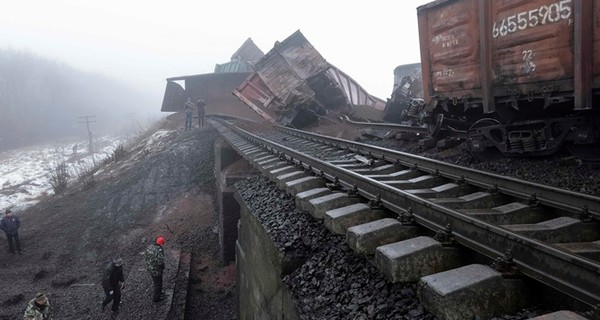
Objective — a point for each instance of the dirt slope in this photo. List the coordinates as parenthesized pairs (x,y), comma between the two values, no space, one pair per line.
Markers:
(163,186)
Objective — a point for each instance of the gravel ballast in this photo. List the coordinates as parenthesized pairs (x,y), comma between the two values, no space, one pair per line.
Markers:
(332,282)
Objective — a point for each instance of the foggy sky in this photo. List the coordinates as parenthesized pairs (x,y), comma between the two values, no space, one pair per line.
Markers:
(43,101)
(144,42)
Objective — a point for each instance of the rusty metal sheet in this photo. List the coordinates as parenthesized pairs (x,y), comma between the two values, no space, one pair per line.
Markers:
(255,93)
(174,97)
(485,50)
(451,34)
(289,64)
(294,74)
(532,41)
(280,76)
(277,75)
(215,88)
(302,57)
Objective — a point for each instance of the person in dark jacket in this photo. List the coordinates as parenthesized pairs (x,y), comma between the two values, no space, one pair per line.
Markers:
(112,283)
(155,264)
(10,225)
(200,105)
(188,108)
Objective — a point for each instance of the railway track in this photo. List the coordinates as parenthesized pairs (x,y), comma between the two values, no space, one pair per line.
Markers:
(389,126)
(547,234)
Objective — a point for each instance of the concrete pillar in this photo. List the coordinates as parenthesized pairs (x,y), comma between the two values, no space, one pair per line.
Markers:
(230,167)
(260,270)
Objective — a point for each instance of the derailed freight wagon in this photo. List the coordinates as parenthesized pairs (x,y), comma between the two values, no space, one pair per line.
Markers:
(214,88)
(405,105)
(294,85)
(520,76)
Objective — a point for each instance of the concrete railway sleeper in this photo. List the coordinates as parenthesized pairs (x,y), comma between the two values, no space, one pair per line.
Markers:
(417,217)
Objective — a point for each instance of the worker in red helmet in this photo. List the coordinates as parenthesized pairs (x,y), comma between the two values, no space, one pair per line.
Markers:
(155,264)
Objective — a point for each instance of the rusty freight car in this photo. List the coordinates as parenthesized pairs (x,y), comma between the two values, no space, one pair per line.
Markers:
(216,90)
(294,85)
(520,76)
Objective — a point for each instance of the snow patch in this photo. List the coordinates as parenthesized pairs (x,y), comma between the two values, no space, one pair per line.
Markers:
(25,172)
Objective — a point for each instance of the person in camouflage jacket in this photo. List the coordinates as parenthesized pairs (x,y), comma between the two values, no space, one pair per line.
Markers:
(155,264)
(38,308)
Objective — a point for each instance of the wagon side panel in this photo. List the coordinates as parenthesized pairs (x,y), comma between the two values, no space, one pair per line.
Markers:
(532,46)
(449,32)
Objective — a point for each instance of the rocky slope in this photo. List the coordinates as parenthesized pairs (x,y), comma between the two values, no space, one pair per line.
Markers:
(162,185)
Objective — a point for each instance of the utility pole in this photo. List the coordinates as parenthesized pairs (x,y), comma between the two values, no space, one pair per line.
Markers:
(132,123)
(87,120)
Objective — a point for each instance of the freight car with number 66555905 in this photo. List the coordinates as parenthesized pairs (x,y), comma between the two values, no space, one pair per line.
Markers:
(522,77)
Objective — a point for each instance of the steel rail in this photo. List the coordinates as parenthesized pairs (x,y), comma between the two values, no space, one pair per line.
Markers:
(388,126)
(563,199)
(571,274)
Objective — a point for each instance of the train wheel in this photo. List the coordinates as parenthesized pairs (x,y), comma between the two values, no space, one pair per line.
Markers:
(477,142)
(585,152)
(436,128)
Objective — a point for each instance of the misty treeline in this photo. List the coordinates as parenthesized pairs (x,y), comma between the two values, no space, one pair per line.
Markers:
(43,100)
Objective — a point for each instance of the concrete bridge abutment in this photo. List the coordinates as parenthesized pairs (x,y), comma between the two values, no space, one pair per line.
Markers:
(230,167)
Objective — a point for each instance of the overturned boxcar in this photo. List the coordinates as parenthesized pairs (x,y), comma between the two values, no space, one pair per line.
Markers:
(294,85)
(520,76)
(214,88)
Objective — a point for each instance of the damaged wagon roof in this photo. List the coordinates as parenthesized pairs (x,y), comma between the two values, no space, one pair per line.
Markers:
(293,77)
